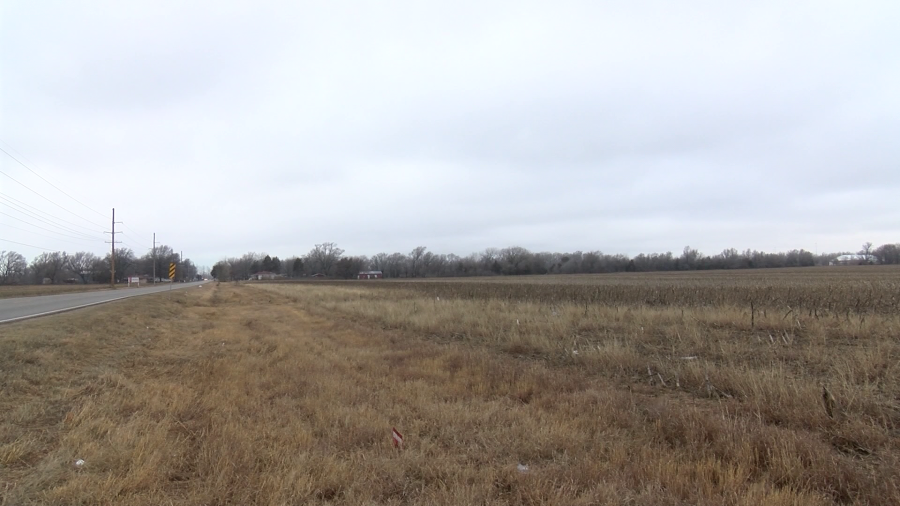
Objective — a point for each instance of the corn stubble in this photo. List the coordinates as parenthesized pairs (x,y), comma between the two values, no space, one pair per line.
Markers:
(506,392)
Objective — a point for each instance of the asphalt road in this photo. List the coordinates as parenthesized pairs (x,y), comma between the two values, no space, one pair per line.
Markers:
(30,307)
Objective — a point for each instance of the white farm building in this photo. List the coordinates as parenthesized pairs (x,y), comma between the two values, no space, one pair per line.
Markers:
(854,260)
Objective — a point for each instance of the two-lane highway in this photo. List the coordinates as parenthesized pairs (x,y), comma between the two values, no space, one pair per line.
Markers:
(30,307)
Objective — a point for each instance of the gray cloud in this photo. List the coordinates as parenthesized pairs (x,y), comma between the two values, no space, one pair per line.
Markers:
(230,127)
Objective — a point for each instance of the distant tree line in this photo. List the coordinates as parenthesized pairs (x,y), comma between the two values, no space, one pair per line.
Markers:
(329,260)
(84,267)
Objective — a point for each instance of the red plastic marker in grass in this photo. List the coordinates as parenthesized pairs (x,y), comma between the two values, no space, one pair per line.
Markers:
(397,438)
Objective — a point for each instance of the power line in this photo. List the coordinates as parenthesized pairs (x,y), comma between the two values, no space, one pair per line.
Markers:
(135,248)
(36,209)
(29,245)
(42,220)
(20,207)
(45,198)
(17,206)
(126,231)
(47,236)
(134,231)
(126,243)
(47,229)
(43,178)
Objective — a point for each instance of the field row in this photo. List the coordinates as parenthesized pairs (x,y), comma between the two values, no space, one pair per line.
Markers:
(835,292)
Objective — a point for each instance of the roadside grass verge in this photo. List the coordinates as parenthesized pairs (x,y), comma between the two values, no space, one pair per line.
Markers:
(13,291)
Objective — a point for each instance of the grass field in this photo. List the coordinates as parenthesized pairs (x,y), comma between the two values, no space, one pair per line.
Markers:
(11,291)
(622,390)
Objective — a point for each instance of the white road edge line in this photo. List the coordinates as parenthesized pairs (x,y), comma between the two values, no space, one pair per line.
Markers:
(55,311)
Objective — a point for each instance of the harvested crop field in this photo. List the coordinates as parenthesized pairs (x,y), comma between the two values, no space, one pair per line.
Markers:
(639,391)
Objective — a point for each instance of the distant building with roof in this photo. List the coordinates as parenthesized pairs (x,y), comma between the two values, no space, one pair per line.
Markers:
(261,275)
(370,275)
(854,260)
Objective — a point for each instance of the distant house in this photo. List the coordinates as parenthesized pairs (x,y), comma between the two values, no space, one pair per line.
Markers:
(261,275)
(370,275)
(854,260)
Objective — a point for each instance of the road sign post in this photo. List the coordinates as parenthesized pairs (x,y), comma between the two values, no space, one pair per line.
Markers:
(171,274)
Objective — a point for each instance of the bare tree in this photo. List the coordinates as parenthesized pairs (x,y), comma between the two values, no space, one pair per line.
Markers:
(393,265)
(12,267)
(241,268)
(324,257)
(888,254)
(490,260)
(164,256)
(221,271)
(489,255)
(349,267)
(592,261)
(415,260)
(125,263)
(433,264)
(378,262)
(866,250)
(48,265)
(82,264)
(543,262)
(689,258)
(515,260)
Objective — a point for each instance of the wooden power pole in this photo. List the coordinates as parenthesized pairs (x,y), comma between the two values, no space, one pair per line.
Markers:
(112,255)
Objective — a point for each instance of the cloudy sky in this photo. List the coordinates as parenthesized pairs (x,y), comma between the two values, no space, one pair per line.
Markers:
(628,127)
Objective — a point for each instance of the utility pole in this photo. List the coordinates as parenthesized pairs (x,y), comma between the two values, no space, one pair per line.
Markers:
(112,256)
(154,258)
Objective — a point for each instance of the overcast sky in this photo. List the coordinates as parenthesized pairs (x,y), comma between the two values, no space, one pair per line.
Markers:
(627,127)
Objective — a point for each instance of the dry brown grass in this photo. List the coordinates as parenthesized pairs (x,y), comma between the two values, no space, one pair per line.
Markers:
(286,394)
(12,291)
(824,291)
(694,342)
